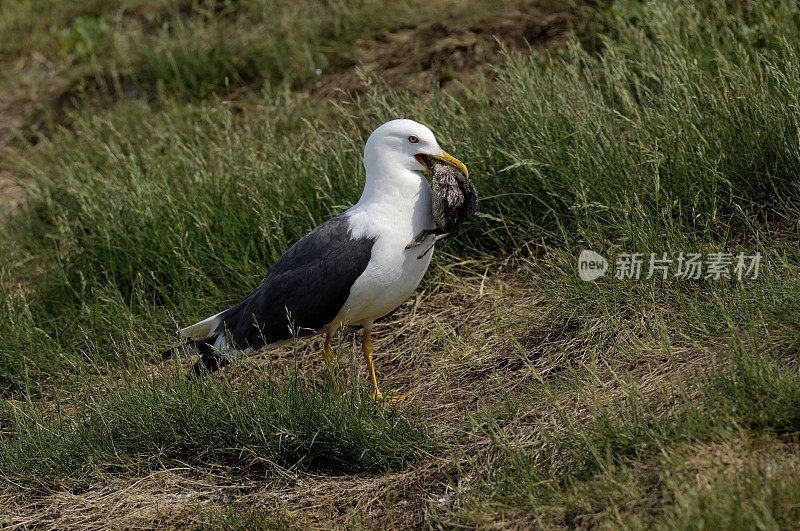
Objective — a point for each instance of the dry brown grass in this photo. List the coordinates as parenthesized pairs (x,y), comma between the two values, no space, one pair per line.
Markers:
(412,353)
(456,347)
(460,347)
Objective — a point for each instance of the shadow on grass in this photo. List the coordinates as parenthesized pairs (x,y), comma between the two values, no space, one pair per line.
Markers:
(148,422)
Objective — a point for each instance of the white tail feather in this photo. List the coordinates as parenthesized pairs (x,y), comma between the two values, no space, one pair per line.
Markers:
(201,330)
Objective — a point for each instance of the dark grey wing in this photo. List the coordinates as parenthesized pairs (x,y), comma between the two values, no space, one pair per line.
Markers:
(309,283)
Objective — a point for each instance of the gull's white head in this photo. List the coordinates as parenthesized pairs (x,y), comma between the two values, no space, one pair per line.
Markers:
(398,154)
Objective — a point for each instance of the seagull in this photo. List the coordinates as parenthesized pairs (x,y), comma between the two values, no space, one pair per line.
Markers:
(348,272)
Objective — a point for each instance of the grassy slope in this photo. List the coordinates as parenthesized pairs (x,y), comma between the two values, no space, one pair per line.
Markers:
(653,403)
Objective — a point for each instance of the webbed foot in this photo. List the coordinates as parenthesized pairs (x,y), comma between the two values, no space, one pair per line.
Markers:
(378,397)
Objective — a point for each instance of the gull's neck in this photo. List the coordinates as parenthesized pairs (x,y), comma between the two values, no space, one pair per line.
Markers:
(393,186)
(397,198)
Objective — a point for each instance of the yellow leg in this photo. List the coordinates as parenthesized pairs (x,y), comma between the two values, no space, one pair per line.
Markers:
(366,348)
(328,353)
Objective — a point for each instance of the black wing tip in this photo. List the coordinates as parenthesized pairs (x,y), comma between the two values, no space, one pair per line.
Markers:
(190,348)
(208,363)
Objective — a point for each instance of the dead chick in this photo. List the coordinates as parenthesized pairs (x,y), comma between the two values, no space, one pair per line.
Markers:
(455,200)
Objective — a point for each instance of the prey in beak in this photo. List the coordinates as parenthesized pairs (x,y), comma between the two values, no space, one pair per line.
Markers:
(454,198)
(428,161)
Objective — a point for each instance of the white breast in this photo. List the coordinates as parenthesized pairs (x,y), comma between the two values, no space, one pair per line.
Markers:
(393,272)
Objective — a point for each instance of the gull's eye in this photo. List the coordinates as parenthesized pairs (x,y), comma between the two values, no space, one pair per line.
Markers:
(413,139)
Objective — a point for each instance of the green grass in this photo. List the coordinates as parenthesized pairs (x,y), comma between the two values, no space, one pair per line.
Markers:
(147,423)
(601,460)
(754,499)
(191,50)
(676,131)
(145,214)
(236,518)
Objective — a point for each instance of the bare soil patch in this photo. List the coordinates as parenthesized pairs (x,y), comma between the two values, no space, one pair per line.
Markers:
(455,50)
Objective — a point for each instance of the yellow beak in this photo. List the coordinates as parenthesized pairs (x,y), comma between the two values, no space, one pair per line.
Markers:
(452,161)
